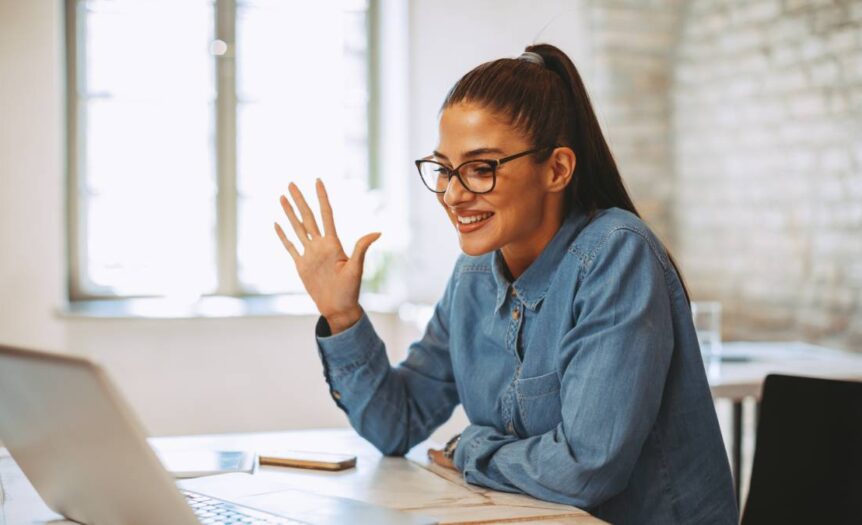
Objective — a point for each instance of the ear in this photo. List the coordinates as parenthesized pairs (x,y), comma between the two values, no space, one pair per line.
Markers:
(561,168)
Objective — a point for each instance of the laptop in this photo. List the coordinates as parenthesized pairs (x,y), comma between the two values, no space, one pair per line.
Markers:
(86,454)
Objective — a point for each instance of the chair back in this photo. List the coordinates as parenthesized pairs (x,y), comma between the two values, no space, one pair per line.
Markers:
(808,457)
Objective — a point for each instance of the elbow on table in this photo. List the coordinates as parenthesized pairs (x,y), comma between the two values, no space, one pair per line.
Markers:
(395,450)
(388,443)
(585,489)
(600,490)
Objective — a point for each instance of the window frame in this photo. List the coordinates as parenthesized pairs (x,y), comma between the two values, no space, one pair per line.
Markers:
(80,288)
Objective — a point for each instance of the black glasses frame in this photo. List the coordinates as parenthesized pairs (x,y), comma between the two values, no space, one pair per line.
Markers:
(492,163)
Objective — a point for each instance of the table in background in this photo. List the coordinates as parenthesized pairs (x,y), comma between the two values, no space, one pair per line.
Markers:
(743,367)
(411,484)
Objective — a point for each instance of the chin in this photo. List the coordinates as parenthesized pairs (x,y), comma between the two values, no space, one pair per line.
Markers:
(475,249)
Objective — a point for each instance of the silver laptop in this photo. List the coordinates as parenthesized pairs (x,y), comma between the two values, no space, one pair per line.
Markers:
(85,453)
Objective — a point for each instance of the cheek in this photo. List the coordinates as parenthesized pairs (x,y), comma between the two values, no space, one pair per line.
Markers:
(520,202)
(521,216)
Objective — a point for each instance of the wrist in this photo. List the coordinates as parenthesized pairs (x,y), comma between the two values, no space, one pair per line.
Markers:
(341,321)
(451,446)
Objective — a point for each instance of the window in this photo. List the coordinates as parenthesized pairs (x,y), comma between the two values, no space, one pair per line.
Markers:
(188,118)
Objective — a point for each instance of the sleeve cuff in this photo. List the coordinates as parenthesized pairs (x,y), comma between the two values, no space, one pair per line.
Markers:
(349,348)
(465,446)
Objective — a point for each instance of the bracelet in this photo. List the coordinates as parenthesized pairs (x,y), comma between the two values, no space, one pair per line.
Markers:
(451,445)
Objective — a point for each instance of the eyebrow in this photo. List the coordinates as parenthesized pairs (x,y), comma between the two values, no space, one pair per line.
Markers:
(471,153)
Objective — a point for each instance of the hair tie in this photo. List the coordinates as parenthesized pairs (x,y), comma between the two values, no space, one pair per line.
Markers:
(535,58)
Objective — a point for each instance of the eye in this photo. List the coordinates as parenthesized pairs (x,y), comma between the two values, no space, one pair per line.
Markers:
(478,170)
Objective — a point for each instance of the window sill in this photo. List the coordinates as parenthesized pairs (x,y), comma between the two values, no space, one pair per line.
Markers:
(212,307)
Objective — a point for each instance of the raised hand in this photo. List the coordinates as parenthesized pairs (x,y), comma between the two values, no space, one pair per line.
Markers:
(330,277)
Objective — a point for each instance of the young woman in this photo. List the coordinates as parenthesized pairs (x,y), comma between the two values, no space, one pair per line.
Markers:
(565,329)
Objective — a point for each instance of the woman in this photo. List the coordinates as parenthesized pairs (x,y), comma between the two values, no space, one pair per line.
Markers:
(565,329)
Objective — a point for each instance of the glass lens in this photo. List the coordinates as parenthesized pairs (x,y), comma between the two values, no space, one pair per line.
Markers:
(478,175)
(434,175)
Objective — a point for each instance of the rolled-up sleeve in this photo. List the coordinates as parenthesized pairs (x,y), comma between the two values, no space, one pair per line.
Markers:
(392,407)
(613,364)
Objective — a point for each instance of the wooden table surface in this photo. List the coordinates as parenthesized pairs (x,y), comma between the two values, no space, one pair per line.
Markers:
(411,484)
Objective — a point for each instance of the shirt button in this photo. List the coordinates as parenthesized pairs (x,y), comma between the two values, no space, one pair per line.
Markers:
(516,314)
(510,427)
(336,395)
(514,293)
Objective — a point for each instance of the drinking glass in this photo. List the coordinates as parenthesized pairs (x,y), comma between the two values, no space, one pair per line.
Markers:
(707,324)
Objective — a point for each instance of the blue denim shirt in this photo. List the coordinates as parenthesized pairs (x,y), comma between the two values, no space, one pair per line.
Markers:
(582,379)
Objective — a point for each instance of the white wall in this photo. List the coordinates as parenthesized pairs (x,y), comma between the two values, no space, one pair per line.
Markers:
(216,375)
(31,173)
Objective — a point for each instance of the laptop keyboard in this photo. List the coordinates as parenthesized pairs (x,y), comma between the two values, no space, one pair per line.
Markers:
(216,511)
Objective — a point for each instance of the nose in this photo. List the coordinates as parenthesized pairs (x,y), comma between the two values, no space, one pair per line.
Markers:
(456,192)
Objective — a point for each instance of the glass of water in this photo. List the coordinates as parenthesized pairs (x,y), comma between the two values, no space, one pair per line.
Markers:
(707,324)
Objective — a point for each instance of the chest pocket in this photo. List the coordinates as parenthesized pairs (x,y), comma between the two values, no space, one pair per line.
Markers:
(539,402)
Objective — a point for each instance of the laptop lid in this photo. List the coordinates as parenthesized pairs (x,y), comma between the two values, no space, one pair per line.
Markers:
(80,446)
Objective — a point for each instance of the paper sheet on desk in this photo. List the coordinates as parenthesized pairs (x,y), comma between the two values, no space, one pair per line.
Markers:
(270,496)
(232,486)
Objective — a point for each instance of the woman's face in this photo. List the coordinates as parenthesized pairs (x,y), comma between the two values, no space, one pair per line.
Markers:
(513,216)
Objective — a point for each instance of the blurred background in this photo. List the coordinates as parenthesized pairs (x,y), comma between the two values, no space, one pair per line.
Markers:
(144,144)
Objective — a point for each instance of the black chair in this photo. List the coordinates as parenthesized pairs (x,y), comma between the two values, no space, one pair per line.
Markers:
(808,459)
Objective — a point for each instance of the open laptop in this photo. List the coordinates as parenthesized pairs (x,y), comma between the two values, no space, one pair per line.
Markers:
(85,453)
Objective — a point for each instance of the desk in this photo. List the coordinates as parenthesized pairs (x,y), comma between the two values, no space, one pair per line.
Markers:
(744,366)
(411,484)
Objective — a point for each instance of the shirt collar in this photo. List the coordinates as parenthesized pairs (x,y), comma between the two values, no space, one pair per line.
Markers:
(533,284)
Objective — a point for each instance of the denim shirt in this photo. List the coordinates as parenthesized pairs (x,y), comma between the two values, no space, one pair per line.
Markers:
(582,379)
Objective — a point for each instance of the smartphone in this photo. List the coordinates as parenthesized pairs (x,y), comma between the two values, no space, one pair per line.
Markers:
(310,460)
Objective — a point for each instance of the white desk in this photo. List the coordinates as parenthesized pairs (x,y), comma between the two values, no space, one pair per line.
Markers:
(744,366)
(747,364)
(411,484)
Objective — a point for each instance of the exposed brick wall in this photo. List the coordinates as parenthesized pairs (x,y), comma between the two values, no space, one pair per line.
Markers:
(631,72)
(737,125)
(766,130)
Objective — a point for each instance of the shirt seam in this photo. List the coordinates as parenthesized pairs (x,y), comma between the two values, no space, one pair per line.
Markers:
(478,268)
(587,259)
(344,370)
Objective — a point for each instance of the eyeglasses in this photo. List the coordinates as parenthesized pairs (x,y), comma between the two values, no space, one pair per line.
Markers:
(477,176)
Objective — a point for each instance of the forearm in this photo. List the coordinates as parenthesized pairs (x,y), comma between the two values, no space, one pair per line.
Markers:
(394,408)
(541,466)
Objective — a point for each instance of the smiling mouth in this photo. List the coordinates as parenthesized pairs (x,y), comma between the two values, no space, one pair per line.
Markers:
(474,218)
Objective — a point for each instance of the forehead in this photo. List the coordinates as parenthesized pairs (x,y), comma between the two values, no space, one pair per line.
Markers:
(465,127)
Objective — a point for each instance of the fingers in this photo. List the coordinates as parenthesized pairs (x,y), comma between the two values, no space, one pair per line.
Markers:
(298,227)
(361,248)
(438,457)
(307,215)
(291,249)
(325,210)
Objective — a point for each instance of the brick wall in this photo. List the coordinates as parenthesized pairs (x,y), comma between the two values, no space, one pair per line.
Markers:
(766,133)
(628,77)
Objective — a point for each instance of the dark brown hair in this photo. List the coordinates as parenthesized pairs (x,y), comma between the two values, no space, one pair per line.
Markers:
(550,105)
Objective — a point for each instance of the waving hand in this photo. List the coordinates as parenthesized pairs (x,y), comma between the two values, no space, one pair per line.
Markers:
(330,277)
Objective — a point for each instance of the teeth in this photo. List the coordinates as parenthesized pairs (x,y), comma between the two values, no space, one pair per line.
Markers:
(474,218)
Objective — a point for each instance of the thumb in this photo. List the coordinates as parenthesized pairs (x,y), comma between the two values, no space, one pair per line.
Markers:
(361,248)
